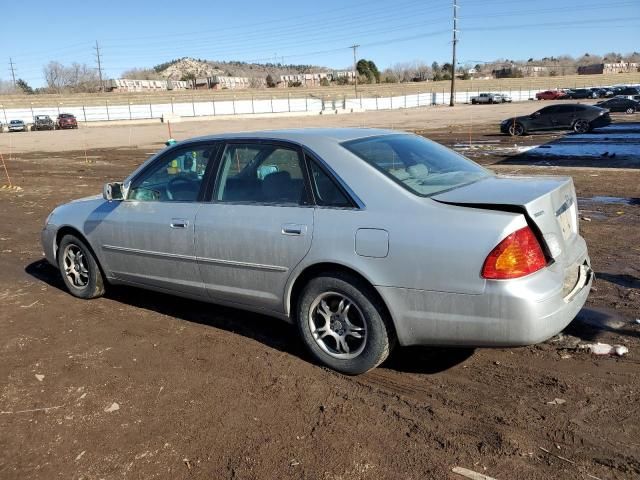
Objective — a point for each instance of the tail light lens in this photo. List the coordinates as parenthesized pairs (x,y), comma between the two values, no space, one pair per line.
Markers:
(517,255)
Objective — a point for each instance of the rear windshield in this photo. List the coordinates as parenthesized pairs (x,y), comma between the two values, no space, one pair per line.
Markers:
(419,165)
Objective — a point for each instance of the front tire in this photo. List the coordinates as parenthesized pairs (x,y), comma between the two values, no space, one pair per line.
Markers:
(343,324)
(630,110)
(79,268)
(581,126)
(516,130)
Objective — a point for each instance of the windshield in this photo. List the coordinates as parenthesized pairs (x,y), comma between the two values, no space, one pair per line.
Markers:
(419,165)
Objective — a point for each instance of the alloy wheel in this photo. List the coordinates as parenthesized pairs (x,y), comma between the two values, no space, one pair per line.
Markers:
(337,325)
(75,266)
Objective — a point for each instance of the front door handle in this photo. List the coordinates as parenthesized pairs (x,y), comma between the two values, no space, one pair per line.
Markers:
(293,229)
(179,223)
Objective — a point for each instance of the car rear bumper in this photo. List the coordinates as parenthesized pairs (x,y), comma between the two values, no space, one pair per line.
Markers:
(517,312)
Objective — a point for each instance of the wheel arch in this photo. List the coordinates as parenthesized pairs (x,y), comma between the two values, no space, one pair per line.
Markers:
(312,271)
(69,230)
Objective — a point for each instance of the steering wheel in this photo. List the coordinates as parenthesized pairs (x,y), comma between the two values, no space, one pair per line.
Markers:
(179,185)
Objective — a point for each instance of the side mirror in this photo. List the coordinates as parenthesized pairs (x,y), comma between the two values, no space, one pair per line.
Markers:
(112,191)
(535,114)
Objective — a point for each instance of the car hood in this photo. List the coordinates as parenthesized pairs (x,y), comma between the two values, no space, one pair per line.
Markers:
(549,203)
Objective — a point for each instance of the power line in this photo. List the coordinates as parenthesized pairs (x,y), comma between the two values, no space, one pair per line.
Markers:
(355,70)
(452,101)
(13,71)
(99,65)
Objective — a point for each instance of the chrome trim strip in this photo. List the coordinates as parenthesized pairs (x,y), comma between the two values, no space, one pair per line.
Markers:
(255,266)
(149,253)
(189,258)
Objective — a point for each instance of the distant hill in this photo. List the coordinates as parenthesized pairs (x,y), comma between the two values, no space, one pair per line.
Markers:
(187,67)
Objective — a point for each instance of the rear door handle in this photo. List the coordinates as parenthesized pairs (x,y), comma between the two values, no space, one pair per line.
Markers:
(179,223)
(293,229)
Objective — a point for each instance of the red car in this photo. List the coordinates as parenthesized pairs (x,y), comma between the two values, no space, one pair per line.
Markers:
(66,120)
(550,95)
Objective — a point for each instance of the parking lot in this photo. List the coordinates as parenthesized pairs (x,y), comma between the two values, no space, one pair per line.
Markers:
(142,385)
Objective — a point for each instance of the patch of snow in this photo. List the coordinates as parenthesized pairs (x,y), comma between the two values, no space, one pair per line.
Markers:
(593,150)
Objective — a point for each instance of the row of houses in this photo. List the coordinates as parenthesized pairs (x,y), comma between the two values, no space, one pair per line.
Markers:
(315,79)
(599,68)
(542,71)
(222,82)
(127,85)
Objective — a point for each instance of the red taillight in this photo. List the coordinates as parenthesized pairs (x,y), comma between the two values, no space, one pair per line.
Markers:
(516,256)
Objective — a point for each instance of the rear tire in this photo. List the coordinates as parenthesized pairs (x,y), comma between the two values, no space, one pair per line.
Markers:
(79,268)
(343,323)
(581,126)
(630,110)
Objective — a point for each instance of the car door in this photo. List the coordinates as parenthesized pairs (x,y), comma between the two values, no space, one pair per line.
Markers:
(563,116)
(542,119)
(257,227)
(154,244)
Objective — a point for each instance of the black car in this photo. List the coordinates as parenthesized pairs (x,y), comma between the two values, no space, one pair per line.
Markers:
(602,92)
(627,91)
(580,93)
(576,117)
(620,104)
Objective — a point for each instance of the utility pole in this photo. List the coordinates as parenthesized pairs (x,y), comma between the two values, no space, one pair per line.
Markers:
(453,60)
(13,71)
(355,70)
(99,66)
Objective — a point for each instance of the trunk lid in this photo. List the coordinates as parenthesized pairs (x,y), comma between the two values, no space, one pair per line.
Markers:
(548,202)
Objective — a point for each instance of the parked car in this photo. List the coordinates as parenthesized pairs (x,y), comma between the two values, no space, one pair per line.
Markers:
(345,233)
(580,93)
(490,98)
(43,122)
(577,117)
(602,92)
(17,126)
(632,93)
(66,120)
(550,95)
(620,104)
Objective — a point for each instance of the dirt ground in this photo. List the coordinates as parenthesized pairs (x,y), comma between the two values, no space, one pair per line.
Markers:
(142,385)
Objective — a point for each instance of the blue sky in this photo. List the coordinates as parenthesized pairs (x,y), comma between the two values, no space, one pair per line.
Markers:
(143,33)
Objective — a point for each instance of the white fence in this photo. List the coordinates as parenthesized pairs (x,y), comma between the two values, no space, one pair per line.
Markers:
(198,108)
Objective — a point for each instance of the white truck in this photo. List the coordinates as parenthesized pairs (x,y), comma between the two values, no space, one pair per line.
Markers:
(490,98)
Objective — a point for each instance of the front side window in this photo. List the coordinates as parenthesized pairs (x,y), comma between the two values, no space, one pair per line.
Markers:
(419,165)
(265,174)
(176,178)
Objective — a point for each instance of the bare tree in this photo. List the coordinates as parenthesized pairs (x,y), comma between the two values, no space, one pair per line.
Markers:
(75,78)
(6,87)
(141,74)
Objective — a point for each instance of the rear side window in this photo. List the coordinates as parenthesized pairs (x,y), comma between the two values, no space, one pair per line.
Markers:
(262,174)
(325,189)
(419,165)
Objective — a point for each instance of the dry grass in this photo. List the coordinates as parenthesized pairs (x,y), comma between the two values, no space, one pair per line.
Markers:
(333,92)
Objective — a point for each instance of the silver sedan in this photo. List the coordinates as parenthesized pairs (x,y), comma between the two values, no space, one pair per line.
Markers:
(363,238)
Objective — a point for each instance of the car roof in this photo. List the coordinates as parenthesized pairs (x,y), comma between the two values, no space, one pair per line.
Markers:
(305,135)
